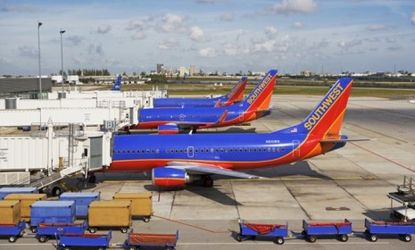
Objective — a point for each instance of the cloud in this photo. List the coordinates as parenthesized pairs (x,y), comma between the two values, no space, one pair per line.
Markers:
(172,23)
(205,1)
(413,18)
(298,25)
(23,8)
(139,35)
(168,44)
(95,49)
(230,49)
(227,17)
(349,44)
(27,51)
(264,46)
(208,52)
(294,6)
(74,40)
(197,34)
(104,29)
(375,27)
(270,31)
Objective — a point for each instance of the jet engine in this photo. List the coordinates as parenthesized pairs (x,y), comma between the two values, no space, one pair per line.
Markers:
(169,177)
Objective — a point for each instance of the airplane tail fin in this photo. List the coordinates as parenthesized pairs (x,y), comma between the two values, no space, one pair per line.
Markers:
(117,83)
(325,121)
(260,97)
(237,92)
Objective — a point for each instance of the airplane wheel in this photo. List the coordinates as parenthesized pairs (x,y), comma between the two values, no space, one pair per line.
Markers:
(207,181)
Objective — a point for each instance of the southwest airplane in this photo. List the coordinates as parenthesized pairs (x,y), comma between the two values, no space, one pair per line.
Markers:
(236,95)
(179,159)
(171,120)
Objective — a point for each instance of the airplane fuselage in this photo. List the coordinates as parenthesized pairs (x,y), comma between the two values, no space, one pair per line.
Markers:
(190,102)
(232,151)
(197,118)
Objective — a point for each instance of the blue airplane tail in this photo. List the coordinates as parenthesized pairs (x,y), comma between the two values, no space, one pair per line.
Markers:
(117,84)
(327,117)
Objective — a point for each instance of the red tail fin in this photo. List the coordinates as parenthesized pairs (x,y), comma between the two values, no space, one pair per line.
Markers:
(260,97)
(237,92)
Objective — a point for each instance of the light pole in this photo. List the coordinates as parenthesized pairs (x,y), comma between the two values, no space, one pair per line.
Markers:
(38,46)
(61,32)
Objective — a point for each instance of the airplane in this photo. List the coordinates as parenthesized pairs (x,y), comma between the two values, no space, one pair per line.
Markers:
(172,120)
(117,84)
(236,95)
(179,159)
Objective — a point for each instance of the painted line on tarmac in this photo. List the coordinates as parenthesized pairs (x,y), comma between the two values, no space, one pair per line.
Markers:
(384,157)
(191,225)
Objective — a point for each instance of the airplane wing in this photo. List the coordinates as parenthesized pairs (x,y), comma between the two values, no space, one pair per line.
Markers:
(198,168)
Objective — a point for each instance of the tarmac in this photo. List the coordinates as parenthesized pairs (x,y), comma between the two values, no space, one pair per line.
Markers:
(351,183)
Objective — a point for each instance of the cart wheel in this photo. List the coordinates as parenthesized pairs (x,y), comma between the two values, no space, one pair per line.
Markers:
(42,238)
(407,237)
(373,237)
(33,229)
(146,219)
(279,240)
(238,237)
(312,238)
(12,239)
(66,248)
(92,230)
(132,248)
(124,230)
(343,237)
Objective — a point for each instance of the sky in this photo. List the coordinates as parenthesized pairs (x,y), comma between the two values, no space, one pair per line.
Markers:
(327,36)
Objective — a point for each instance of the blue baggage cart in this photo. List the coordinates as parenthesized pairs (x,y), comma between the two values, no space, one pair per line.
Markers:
(4,191)
(45,231)
(51,212)
(276,232)
(340,229)
(82,201)
(84,240)
(402,229)
(12,231)
(139,240)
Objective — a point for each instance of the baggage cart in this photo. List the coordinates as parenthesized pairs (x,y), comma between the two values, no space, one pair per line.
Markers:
(4,191)
(82,201)
(26,200)
(376,228)
(109,214)
(83,240)
(51,212)
(277,232)
(9,212)
(141,204)
(12,231)
(45,231)
(138,240)
(340,229)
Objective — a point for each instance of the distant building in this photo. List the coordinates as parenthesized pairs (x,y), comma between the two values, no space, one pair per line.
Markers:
(160,68)
(307,73)
(183,71)
(15,86)
(193,70)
